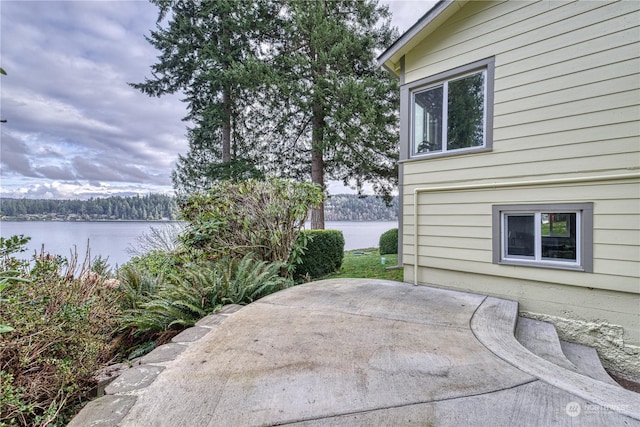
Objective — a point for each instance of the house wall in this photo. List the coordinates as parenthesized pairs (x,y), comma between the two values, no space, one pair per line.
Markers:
(566,106)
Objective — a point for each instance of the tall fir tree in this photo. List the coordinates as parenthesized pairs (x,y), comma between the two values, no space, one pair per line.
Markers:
(334,111)
(288,88)
(211,51)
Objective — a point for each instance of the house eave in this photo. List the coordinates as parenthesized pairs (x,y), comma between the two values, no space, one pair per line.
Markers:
(443,10)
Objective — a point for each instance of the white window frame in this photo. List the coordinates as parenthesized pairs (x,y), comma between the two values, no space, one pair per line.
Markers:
(537,239)
(445,115)
(584,235)
(407,110)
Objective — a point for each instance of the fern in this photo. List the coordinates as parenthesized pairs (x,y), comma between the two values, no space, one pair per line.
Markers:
(250,279)
(198,290)
(142,349)
(136,286)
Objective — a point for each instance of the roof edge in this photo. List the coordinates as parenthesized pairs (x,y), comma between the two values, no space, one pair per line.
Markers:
(412,32)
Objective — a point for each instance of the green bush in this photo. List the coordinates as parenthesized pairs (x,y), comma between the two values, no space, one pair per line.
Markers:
(234,219)
(389,242)
(158,263)
(155,305)
(324,253)
(56,330)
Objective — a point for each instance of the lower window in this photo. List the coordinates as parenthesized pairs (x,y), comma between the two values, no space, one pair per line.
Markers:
(553,236)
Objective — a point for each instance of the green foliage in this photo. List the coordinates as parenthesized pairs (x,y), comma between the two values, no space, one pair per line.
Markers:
(339,207)
(11,396)
(263,218)
(351,207)
(48,267)
(183,298)
(61,330)
(335,111)
(248,279)
(156,263)
(100,266)
(10,269)
(280,89)
(211,51)
(236,247)
(10,246)
(150,207)
(7,278)
(142,349)
(366,263)
(323,255)
(137,284)
(198,169)
(13,245)
(389,242)
(176,301)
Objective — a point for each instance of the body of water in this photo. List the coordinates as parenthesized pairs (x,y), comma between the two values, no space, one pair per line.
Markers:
(114,239)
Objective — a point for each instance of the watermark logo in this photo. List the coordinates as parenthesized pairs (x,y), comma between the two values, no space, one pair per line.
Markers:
(590,407)
(573,409)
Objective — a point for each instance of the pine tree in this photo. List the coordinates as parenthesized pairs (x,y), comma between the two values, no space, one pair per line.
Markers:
(288,88)
(210,51)
(335,111)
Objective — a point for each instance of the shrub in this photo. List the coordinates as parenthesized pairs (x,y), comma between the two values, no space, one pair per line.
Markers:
(164,238)
(175,302)
(136,285)
(389,242)
(248,279)
(181,299)
(157,263)
(234,219)
(57,332)
(323,255)
(10,246)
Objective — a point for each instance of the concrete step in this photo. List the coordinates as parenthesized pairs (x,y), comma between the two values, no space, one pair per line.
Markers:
(541,339)
(587,361)
(494,324)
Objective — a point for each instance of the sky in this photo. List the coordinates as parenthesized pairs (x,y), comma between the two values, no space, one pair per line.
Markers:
(74,128)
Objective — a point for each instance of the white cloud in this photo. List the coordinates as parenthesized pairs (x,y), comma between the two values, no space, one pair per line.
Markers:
(50,112)
(72,118)
(408,12)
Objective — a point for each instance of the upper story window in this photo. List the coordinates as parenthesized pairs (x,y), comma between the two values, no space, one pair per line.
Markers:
(452,112)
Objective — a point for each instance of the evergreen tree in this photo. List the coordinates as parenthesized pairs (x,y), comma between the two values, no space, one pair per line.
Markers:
(210,50)
(334,110)
(286,87)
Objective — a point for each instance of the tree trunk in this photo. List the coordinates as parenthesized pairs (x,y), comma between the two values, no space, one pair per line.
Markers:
(317,162)
(317,177)
(226,127)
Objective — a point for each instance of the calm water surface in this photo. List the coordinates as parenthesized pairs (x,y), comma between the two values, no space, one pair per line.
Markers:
(114,239)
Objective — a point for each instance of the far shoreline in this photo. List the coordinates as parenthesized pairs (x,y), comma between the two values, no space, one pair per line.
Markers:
(165,220)
(4,219)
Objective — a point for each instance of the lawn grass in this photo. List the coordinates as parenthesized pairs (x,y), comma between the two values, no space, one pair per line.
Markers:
(366,263)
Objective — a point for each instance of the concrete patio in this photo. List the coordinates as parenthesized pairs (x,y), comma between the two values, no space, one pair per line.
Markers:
(366,353)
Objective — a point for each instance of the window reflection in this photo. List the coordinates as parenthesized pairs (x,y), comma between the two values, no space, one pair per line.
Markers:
(465,116)
(558,236)
(450,116)
(428,120)
(520,235)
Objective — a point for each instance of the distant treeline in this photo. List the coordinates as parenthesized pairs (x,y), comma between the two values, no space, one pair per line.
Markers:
(349,207)
(158,207)
(152,207)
